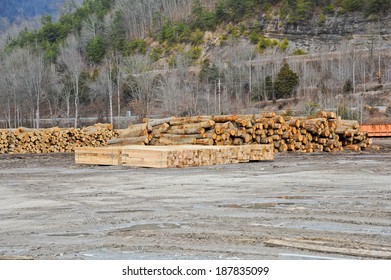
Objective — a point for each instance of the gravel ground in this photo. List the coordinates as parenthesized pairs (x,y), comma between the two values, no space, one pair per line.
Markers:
(51,208)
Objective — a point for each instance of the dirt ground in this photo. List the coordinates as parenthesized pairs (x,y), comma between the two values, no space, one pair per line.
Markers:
(51,208)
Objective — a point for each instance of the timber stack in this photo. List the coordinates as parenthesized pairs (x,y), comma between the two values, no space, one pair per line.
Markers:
(323,131)
(172,156)
(55,139)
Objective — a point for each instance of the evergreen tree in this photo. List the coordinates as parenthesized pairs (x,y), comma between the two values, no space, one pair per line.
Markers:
(347,87)
(269,87)
(118,32)
(209,73)
(378,6)
(285,82)
(96,49)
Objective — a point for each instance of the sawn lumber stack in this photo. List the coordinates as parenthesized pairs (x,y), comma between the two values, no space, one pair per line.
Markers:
(172,156)
(323,131)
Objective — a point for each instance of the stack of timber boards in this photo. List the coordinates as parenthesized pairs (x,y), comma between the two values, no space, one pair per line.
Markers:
(98,155)
(173,156)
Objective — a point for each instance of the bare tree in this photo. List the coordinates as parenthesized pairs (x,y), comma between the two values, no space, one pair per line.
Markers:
(70,6)
(56,93)
(142,15)
(108,73)
(35,73)
(92,26)
(72,58)
(120,75)
(141,81)
(9,88)
(104,83)
(183,91)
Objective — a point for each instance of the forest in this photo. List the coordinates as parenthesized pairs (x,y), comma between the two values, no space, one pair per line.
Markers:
(106,58)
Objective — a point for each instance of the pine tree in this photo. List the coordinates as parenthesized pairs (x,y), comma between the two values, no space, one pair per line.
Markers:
(285,82)
(118,32)
(96,49)
(347,87)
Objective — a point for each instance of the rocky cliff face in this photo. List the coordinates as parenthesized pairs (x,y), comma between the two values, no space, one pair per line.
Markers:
(332,32)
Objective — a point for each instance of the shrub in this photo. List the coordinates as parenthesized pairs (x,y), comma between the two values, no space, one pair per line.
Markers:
(329,9)
(283,45)
(194,53)
(322,19)
(156,54)
(310,108)
(254,37)
(197,37)
(347,87)
(299,52)
(137,46)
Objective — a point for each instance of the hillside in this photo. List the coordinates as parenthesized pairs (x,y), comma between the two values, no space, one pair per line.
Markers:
(110,58)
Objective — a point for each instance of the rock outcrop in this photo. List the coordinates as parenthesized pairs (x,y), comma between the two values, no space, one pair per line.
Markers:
(331,32)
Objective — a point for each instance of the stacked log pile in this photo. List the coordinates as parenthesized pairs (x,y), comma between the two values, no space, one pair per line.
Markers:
(321,132)
(51,140)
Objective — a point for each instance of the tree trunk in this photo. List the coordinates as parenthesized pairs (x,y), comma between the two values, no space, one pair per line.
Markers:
(37,117)
(118,96)
(111,102)
(76,101)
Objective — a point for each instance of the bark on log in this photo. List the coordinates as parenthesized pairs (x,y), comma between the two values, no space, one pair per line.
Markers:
(206,142)
(157,122)
(193,130)
(224,118)
(188,120)
(136,130)
(129,141)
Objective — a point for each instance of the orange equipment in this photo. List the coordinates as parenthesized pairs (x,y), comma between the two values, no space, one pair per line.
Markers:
(377,130)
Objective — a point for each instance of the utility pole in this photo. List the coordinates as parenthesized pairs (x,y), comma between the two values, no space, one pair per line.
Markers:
(379,48)
(354,72)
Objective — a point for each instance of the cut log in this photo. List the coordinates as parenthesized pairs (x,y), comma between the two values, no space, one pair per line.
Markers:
(181,136)
(193,130)
(224,118)
(129,141)
(157,130)
(227,127)
(157,122)
(188,120)
(136,130)
(269,114)
(331,115)
(206,142)
(349,123)
(205,124)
